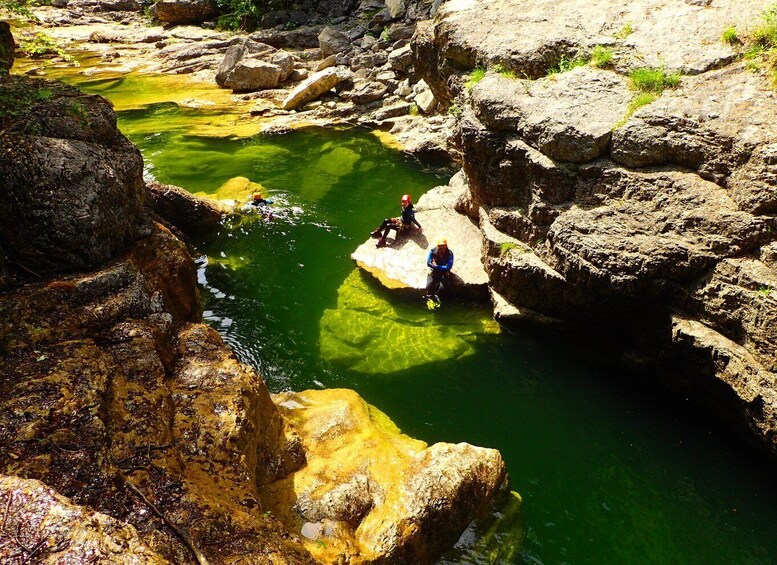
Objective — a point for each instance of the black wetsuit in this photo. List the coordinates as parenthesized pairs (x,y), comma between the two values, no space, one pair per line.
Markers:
(406,220)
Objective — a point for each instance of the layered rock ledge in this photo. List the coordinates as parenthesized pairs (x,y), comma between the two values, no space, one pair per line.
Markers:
(657,225)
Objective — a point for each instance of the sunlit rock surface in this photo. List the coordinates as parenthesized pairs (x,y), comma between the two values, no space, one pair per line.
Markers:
(402,263)
(594,211)
(369,494)
(370,334)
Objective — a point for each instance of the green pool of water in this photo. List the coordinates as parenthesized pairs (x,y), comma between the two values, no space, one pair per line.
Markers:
(609,473)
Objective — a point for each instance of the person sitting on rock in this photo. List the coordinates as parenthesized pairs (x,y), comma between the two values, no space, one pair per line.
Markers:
(440,261)
(261,204)
(400,224)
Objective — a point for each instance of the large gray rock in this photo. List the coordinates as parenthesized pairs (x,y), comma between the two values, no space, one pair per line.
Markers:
(712,125)
(184,11)
(252,74)
(568,117)
(678,35)
(367,92)
(332,41)
(236,52)
(285,61)
(652,228)
(369,60)
(593,215)
(73,192)
(401,59)
(396,8)
(311,88)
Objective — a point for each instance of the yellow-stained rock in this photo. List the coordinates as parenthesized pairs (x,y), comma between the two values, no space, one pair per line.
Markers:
(40,526)
(369,493)
(237,189)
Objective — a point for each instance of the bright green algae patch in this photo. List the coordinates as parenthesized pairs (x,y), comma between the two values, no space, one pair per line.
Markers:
(370,334)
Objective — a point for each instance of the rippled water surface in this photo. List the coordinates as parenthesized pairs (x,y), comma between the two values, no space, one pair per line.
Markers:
(608,472)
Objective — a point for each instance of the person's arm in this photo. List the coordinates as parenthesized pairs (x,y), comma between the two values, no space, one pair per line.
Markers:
(416,223)
(449,264)
(429,262)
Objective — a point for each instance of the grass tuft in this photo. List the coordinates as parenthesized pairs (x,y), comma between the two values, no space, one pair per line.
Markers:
(731,36)
(641,99)
(475,77)
(601,57)
(43,45)
(501,70)
(625,31)
(760,43)
(566,64)
(655,80)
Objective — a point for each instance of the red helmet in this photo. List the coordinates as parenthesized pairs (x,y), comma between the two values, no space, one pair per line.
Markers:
(406,198)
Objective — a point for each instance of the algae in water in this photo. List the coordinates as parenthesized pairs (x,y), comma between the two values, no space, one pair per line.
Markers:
(369,334)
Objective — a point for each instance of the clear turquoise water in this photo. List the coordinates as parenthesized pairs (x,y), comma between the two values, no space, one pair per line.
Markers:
(609,472)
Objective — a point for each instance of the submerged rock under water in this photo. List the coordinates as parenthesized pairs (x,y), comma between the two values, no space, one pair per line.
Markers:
(371,334)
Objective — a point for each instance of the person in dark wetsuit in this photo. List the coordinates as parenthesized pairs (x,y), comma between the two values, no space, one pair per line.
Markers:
(440,261)
(404,222)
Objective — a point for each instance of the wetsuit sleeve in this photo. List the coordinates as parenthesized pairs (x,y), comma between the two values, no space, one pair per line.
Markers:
(429,259)
(416,222)
(449,265)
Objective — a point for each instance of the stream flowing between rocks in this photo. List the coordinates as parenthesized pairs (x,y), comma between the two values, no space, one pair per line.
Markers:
(609,472)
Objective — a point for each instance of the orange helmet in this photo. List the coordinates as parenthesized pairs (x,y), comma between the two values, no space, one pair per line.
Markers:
(257,196)
(406,198)
(442,241)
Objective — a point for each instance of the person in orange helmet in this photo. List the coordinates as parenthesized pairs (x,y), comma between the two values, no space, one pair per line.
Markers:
(260,204)
(440,261)
(404,222)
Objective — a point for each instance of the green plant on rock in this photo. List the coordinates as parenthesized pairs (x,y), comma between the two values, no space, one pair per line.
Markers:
(43,45)
(455,110)
(504,71)
(506,246)
(730,36)
(385,35)
(639,100)
(765,290)
(16,8)
(414,110)
(566,64)
(625,31)
(243,14)
(651,79)
(477,74)
(761,45)
(601,57)
(79,112)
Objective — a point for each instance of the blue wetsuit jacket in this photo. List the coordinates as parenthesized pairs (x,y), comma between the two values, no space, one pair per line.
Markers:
(441,264)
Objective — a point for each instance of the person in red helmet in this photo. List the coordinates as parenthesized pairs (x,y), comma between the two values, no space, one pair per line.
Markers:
(404,222)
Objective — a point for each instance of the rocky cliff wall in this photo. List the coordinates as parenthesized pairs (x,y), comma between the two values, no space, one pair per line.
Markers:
(656,223)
